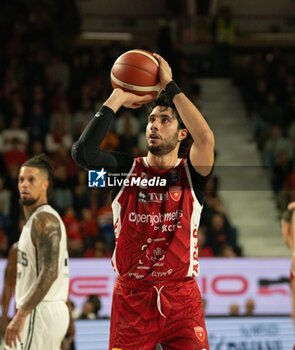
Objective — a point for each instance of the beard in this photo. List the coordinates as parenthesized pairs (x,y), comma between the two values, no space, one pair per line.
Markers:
(27,201)
(165,147)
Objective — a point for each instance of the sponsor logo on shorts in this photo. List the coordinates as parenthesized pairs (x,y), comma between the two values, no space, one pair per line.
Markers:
(200,333)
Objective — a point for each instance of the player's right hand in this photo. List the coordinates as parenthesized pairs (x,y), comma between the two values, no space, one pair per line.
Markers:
(133,101)
(121,98)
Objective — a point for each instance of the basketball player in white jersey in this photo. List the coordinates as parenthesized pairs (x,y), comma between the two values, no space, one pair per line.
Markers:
(42,316)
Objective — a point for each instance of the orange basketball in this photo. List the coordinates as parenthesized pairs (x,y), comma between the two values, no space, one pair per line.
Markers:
(136,71)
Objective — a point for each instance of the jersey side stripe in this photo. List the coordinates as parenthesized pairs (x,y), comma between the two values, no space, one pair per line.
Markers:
(31,330)
(194,224)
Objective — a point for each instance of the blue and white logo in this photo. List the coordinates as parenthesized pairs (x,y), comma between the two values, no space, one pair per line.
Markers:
(97,178)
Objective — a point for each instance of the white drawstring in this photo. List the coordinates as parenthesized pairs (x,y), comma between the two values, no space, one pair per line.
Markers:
(159,300)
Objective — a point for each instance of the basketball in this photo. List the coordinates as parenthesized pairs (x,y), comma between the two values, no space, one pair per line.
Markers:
(136,71)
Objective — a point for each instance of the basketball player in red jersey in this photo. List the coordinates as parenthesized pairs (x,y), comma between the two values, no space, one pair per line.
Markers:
(156,216)
(288,232)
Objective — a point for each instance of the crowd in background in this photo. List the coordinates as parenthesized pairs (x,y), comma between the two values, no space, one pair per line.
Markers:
(267,85)
(49,89)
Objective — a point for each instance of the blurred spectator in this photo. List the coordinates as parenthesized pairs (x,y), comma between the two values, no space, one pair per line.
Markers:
(220,232)
(57,72)
(81,117)
(282,166)
(5,197)
(226,251)
(58,137)
(63,196)
(80,192)
(90,309)
(167,39)
(127,127)
(274,145)
(234,310)
(267,85)
(88,227)
(87,312)
(98,250)
(36,147)
(14,136)
(223,31)
(15,155)
(75,240)
(61,109)
(105,223)
(204,249)
(249,307)
(37,125)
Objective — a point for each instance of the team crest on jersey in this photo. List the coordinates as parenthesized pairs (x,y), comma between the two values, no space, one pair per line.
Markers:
(175,193)
(200,333)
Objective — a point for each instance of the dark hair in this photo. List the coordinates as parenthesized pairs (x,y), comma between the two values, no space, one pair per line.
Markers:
(43,162)
(164,101)
(287,215)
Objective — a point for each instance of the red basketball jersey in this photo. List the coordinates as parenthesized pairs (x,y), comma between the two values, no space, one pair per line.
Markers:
(156,217)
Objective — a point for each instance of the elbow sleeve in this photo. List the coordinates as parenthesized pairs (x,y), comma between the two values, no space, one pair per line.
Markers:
(77,152)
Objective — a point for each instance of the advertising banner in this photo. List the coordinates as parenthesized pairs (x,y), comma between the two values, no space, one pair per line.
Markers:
(222,282)
(225,333)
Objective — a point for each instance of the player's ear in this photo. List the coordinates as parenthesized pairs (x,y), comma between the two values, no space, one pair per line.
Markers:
(182,134)
(45,185)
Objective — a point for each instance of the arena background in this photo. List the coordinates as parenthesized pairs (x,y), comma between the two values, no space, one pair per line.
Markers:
(55,60)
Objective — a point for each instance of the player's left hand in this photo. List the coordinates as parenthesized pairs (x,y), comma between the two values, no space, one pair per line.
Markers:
(165,71)
(13,330)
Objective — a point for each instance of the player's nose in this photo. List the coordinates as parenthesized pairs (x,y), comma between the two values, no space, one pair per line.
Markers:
(24,184)
(155,125)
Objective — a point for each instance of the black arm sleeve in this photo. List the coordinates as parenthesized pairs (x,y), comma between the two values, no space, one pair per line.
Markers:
(86,152)
(198,181)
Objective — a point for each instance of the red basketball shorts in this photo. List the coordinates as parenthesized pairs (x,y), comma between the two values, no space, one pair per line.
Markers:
(171,315)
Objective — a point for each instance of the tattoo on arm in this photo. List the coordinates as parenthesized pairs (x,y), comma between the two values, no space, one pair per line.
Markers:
(46,235)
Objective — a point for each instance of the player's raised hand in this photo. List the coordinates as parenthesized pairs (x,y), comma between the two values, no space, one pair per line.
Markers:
(291,205)
(135,101)
(121,98)
(165,71)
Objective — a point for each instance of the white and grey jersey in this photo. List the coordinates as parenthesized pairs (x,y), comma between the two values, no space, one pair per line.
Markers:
(27,263)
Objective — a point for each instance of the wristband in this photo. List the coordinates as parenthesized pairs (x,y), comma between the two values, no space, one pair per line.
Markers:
(172,89)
